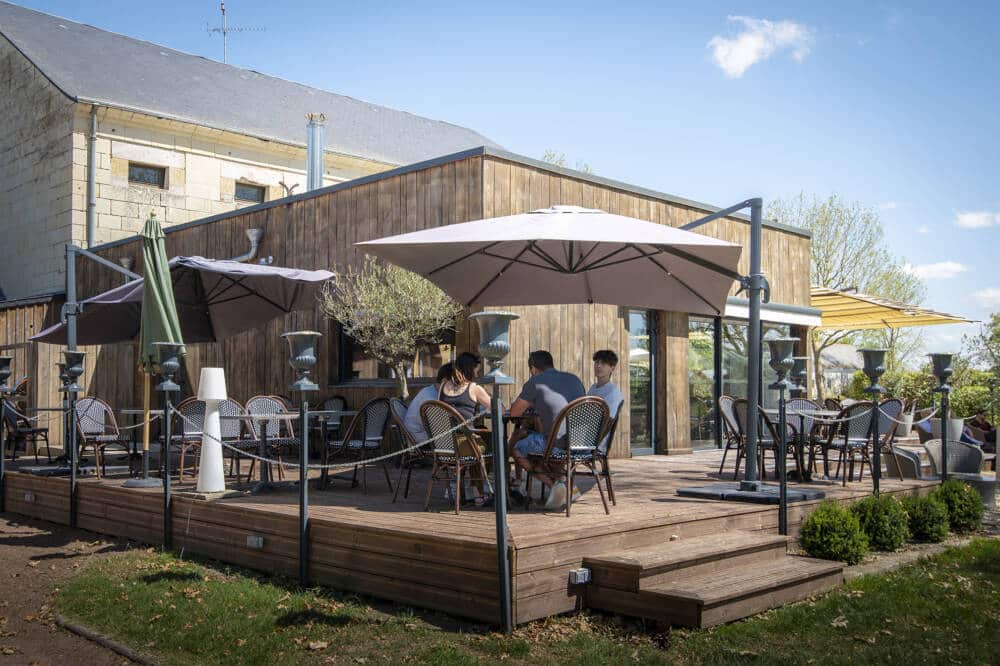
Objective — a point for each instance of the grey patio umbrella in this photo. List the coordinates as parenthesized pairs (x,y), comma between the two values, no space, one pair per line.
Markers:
(569,254)
(215,299)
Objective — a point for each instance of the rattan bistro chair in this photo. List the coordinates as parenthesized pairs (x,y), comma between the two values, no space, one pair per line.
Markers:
(455,449)
(405,440)
(280,433)
(192,413)
(602,452)
(98,429)
(850,439)
(731,431)
(584,422)
(363,440)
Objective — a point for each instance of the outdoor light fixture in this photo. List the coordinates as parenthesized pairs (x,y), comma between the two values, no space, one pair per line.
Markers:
(799,376)
(781,362)
(941,367)
(5,362)
(494,345)
(211,390)
(302,358)
(874,368)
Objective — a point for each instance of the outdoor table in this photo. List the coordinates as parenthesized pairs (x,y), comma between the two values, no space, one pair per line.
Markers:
(805,473)
(265,484)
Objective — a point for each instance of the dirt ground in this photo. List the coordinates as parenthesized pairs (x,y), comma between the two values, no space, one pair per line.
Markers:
(35,558)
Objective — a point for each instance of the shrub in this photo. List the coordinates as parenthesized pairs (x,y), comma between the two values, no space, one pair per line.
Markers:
(969,399)
(965,505)
(884,522)
(928,518)
(832,532)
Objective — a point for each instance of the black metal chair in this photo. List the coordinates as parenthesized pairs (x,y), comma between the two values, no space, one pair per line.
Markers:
(851,440)
(731,431)
(21,431)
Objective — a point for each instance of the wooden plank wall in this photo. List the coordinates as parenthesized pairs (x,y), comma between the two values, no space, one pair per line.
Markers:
(574,332)
(320,232)
(17,324)
(317,232)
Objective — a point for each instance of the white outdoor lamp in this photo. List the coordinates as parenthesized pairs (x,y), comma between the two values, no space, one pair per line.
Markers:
(211,389)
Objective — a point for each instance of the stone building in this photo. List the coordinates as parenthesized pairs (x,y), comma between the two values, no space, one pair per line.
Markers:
(165,132)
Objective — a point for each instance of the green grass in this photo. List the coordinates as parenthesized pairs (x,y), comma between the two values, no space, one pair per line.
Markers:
(942,609)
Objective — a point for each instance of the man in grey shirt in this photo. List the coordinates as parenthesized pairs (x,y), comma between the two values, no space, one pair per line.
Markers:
(605,363)
(547,393)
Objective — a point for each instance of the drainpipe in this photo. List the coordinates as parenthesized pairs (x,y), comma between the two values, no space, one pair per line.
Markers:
(254,236)
(91,177)
(314,150)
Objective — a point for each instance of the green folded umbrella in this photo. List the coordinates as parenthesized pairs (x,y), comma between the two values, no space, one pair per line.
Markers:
(159,311)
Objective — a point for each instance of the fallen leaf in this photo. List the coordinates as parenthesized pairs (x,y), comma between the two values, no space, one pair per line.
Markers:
(839,621)
(318,645)
(32,564)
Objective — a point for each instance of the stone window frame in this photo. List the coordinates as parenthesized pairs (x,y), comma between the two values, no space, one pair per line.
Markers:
(142,183)
(259,188)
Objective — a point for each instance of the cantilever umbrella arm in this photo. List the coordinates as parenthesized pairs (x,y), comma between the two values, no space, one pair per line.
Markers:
(757,289)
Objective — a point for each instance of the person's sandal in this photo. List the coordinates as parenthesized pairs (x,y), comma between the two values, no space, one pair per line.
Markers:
(484,501)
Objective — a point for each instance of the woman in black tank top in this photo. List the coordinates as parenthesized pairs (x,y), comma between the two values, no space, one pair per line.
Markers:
(461,392)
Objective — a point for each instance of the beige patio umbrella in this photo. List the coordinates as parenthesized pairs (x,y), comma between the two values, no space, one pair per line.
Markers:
(569,254)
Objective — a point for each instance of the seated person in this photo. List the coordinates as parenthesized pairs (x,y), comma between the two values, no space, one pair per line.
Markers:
(989,432)
(547,392)
(966,436)
(605,364)
(412,421)
(461,391)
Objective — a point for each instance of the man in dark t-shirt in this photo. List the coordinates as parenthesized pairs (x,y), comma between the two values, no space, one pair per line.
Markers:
(547,392)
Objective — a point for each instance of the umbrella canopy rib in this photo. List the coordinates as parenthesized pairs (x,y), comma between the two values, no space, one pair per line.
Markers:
(685,285)
(493,279)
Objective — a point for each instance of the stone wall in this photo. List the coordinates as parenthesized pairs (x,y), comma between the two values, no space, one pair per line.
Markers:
(36,194)
(202,167)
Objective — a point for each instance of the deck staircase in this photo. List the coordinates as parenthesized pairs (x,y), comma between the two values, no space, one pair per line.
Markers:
(708,580)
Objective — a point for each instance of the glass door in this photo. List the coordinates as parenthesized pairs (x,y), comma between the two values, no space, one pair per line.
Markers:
(640,372)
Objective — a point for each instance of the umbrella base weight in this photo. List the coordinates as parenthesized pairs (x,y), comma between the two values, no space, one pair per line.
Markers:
(262,487)
(757,494)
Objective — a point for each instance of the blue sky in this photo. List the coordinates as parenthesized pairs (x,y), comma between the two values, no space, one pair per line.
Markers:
(893,105)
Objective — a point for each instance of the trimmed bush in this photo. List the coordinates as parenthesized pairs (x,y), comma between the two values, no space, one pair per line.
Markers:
(884,522)
(928,518)
(832,532)
(965,504)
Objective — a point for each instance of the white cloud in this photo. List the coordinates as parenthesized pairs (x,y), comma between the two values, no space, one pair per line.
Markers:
(924,229)
(976,219)
(759,40)
(888,205)
(939,271)
(988,297)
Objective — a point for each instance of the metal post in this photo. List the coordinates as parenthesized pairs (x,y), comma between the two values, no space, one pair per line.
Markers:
(500,497)
(170,364)
(782,464)
(3,451)
(717,377)
(941,367)
(754,284)
(874,367)
(304,493)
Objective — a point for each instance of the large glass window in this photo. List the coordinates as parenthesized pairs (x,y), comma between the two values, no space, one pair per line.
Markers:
(701,371)
(354,363)
(640,381)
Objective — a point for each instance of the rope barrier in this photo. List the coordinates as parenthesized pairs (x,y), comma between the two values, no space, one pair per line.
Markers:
(346,465)
(142,423)
(55,414)
(890,417)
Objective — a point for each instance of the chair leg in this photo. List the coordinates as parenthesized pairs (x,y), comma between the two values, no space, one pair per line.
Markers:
(388,481)
(597,482)
(725,452)
(458,488)
(399,482)
(739,459)
(180,466)
(430,486)
(608,483)
(409,473)
(569,486)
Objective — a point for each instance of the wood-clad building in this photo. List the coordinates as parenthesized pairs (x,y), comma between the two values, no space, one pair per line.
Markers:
(662,370)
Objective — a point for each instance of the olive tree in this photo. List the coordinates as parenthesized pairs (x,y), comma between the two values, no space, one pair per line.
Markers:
(390,312)
(848,251)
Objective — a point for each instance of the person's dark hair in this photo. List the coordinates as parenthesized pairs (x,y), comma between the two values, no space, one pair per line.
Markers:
(444,372)
(464,368)
(540,359)
(606,356)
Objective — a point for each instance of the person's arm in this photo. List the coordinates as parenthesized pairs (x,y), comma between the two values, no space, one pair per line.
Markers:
(519,407)
(481,396)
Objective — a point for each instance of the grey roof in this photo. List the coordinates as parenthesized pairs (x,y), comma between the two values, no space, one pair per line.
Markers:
(94,66)
(844,357)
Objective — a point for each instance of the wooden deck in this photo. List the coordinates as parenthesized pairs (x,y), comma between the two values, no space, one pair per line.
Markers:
(366,543)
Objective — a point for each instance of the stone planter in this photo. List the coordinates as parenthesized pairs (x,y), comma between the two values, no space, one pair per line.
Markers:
(903,429)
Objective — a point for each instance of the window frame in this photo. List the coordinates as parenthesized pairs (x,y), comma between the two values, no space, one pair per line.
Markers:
(259,188)
(142,165)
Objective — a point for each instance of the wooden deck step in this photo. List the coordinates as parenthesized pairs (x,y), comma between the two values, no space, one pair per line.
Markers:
(640,568)
(704,581)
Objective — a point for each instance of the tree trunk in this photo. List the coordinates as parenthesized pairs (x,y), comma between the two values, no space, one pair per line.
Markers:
(400,370)
(818,373)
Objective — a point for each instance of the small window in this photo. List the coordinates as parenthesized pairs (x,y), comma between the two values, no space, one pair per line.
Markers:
(245,192)
(147,175)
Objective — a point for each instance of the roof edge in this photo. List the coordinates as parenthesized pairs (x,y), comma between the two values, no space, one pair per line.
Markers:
(31,300)
(481,151)
(38,69)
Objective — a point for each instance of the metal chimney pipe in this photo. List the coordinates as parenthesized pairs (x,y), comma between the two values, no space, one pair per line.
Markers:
(314,150)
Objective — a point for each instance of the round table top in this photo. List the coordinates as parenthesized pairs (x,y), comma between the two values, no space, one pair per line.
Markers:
(773,411)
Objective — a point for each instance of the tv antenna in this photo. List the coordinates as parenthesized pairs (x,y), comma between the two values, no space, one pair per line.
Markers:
(225,30)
